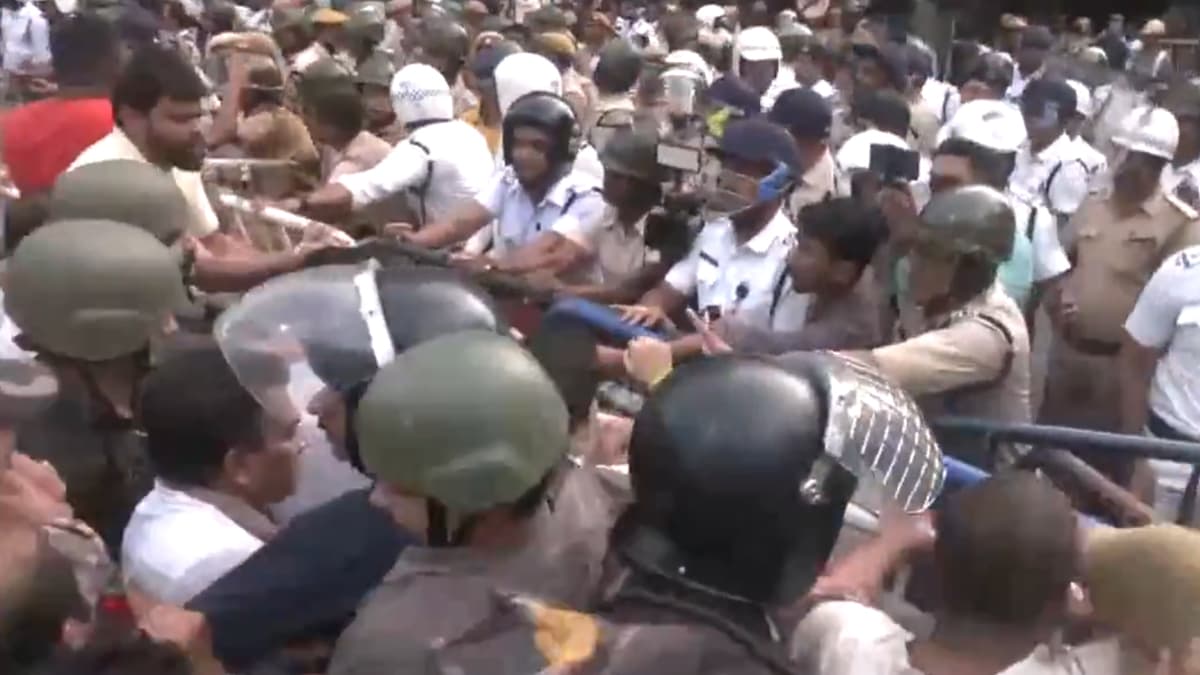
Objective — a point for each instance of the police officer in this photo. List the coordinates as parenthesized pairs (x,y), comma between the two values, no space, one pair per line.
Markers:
(363,31)
(314,573)
(124,191)
(441,163)
(759,58)
(738,262)
(90,297)
(296,38)
(1117,241)
(475,496)
(444,44)
(964,347)
(1049,169)
(374,79)
(544,213)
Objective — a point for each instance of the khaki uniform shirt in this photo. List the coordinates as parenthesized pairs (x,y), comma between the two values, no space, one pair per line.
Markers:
(973,362)
(823,181)
(1115,257)
(276,133)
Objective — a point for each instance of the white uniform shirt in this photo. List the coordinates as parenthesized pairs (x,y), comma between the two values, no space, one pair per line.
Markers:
(26,38)
(1056,177)
(1019,82)
(454,151)
(116,145)
(1167,316)
(573,207)
(1049,258)
(941,97)
(176,545)
(743,279)
(1093,159)
(1172,176)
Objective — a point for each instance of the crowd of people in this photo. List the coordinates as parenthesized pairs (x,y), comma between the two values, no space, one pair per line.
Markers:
(469,337)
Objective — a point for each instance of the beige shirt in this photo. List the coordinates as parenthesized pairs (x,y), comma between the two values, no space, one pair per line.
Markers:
(621,252)
(822,181)
(116,145)
(276,133)
(1115,257)
(963,363)
(924,127)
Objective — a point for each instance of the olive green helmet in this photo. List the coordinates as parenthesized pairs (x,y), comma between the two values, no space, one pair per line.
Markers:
(365,22)
(320,76)
(469,420)
(91,290)
(632,152)
(124,191)
(972,220)
(284,18)
(376,69)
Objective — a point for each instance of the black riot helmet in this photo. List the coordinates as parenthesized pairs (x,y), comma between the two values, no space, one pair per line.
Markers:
(552,115)
(742,469)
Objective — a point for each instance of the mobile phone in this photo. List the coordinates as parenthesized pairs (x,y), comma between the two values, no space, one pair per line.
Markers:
(893,164)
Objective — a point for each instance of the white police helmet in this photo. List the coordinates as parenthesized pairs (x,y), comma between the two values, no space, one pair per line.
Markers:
(521,73)
(420,93)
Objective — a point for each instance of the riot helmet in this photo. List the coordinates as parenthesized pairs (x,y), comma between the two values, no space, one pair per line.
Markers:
(365,23)
(468,421)
(523,73)
(421,94)
(633,152)
(742,469)
(124,191)
(92,290)
(375,70)
(337,324)
(550,114)
(965,234)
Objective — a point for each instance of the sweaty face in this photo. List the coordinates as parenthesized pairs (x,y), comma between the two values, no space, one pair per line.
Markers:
(174,133)
(531,154)
(270,469)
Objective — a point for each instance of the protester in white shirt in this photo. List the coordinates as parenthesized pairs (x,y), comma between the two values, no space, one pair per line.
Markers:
(1183,101)
(738,264)
(439,164)
(157,109)
(1049,170)
(886,116)
(1005,553)
(221,459)
(1160,390)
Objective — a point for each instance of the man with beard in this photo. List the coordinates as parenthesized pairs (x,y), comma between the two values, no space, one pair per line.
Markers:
(157,110)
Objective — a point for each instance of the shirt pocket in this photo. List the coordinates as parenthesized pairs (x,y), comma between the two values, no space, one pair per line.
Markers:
(1134,256)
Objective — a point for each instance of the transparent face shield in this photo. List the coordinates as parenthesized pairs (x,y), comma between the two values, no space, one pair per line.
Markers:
(305,333)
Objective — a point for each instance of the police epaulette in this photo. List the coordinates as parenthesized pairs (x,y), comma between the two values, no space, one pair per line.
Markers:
(1186,198)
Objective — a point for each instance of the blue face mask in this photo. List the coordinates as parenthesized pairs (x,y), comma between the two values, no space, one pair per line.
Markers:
(775,184)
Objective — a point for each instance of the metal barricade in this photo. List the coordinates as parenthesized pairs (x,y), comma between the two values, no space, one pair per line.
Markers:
(1052,438)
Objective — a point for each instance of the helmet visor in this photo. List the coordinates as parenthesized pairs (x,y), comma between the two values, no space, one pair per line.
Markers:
(318,322)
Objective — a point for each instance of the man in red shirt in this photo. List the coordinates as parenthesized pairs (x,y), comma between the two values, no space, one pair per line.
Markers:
(39,141)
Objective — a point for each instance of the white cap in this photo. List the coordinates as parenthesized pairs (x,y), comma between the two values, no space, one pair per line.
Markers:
(708,14)
(420,93)
(1152,131)
(758,44)
(995,125)
(687,59)
(1083,98)
(524,72)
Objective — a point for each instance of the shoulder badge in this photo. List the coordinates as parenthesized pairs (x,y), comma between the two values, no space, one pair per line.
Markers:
(1189,258)
(1186,198)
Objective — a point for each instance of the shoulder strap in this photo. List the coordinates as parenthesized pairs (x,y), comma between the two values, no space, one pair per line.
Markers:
(1031,221)
(1054,174)
(423,188)
(777,294)
(946,103)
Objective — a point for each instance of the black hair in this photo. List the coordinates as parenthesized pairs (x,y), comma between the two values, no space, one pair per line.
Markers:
(992,166)
(1006,549)
(887,110)
(132,654)
(920,61)
(83,47)
(993,71)
(194,410)
(848,229)
(340,108)
(680,29)
(566,349)
(35,605)
(1115,50)
(152,74)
